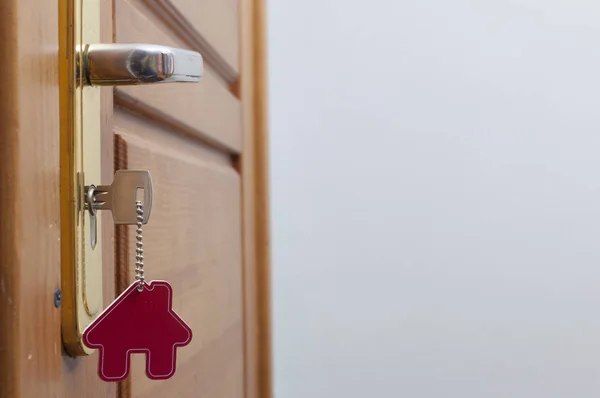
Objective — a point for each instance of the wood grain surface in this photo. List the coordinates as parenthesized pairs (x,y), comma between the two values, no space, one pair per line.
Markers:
(193,240)
(31,357)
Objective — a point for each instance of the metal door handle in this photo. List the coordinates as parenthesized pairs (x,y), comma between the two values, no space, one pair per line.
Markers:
(130,64)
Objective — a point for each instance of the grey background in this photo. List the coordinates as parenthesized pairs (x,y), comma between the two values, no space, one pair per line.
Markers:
(435,170)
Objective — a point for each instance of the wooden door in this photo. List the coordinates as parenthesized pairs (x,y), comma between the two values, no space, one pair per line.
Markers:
(204,145)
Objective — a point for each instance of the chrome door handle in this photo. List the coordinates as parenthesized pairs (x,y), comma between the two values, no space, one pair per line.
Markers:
(130,64)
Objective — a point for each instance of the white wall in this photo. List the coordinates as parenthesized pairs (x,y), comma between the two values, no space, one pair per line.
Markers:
(435,198)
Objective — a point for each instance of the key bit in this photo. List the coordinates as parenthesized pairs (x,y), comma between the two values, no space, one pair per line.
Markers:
(120,197)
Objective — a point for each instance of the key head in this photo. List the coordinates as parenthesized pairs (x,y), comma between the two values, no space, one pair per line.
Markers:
(120,197)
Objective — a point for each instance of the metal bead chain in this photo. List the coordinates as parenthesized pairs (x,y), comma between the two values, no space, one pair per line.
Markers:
(139,246)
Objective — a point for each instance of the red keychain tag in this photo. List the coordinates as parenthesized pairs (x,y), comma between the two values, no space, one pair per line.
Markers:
(138,322)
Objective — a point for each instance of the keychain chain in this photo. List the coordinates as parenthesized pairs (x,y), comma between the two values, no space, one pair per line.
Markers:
(139,246)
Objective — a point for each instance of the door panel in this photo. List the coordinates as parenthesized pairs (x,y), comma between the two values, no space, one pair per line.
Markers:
(207,111)
(194,242)
(186,138)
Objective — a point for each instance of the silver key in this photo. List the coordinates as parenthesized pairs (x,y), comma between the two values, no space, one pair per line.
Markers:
(120,198)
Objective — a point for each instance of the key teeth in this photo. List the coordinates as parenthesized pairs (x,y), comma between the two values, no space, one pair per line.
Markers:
(99,203)
(100,192)
(99,197)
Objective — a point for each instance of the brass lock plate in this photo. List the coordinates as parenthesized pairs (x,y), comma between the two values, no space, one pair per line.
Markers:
(81,281)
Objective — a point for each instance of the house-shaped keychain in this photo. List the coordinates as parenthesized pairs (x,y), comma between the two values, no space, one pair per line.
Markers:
(138,321)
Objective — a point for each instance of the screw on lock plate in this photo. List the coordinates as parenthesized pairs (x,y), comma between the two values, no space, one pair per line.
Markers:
(120,198)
